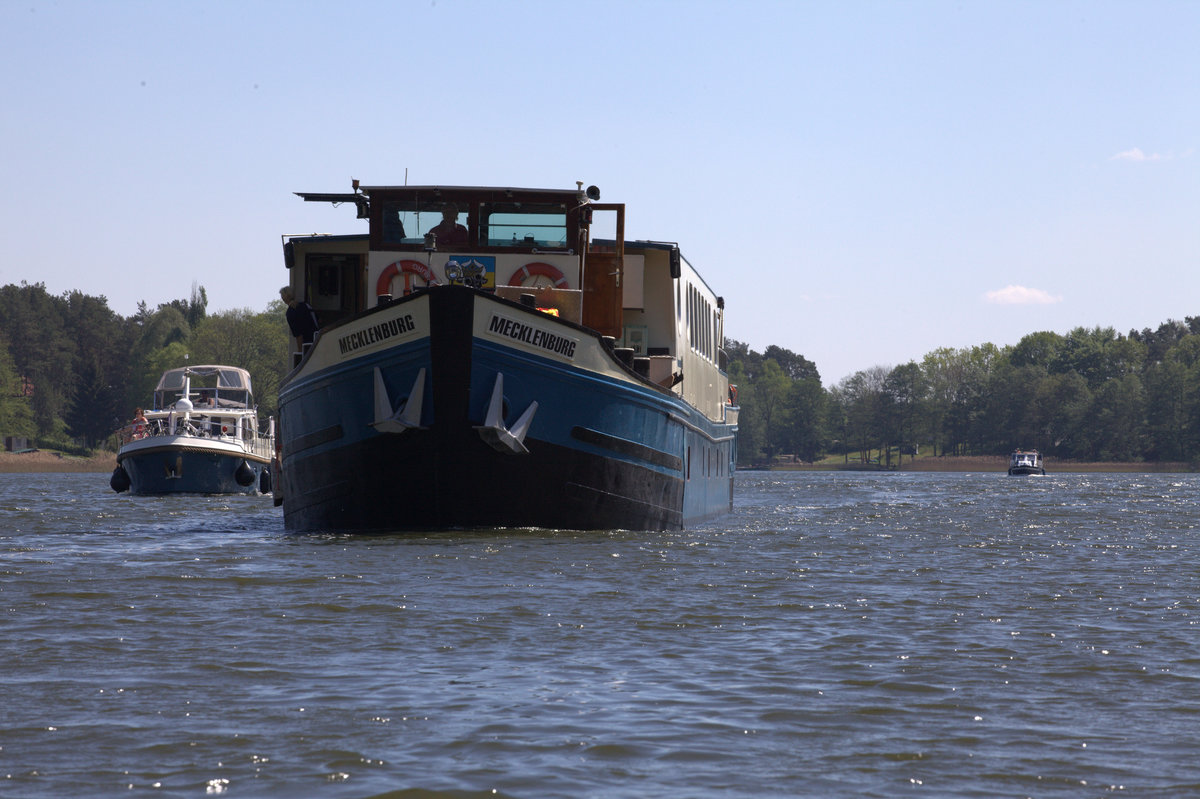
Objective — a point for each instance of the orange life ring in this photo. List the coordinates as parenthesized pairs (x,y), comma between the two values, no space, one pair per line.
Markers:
(539,269)
(224,429)
(405,267)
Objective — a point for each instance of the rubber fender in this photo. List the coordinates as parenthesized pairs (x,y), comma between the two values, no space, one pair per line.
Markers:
(244,475)
(119,480)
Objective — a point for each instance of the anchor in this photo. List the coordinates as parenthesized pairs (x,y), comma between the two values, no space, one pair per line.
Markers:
(408,415)
(493,431)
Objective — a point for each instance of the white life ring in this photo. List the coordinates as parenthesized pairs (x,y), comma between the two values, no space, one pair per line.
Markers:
(538,269)
(405,267)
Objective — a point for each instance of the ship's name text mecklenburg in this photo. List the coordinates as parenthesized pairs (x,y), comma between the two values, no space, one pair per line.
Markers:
(533,336)
(376,333)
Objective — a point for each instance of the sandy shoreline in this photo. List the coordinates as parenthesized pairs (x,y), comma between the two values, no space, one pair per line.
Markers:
(999,464)
(41,461)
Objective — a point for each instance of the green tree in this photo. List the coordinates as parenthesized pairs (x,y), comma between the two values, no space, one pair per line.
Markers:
(805,405)
(783,407)
(941,371)
(836,421)
(1037,349)
(194,309)
(957,387)
(794,365)
(1012,410)
(257,342)
(1173,402)
(865,403)
(1116,423)
(100,369)
(1159,342)
(1060,408)
(16,412)
(42,350)
(905,391)
(771,395)
(161,341)
(1099,354)
(152,366)
(1170,387)
(750,428)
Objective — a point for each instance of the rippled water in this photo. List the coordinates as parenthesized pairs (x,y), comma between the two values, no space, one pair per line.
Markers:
(839,634)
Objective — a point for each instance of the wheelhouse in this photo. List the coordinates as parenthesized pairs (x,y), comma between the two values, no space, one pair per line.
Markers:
(561,250)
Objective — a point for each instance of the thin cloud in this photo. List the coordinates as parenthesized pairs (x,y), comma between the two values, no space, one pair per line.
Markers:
(1136,155)
(1020,295)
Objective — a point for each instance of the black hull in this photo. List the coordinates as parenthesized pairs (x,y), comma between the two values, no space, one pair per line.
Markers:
(558,490)
(607,465)
(185,470)
(1020,471)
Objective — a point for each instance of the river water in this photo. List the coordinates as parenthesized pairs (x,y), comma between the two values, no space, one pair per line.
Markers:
(840,634)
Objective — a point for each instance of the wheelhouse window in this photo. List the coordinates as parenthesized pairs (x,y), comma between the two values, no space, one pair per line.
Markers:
(461,220)
(524,225)
(406,222)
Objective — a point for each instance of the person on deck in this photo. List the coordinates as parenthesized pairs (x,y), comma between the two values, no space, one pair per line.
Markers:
(139,424)
(301,318)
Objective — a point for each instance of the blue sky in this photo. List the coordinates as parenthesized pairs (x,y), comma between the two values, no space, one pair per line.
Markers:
(863,182)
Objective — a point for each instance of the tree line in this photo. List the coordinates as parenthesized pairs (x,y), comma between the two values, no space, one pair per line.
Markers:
(1091,394)
(72,370)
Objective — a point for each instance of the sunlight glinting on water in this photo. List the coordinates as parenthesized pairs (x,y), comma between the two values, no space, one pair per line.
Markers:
(838,634)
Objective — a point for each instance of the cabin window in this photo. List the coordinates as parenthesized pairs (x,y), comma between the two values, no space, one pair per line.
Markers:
(691,316)
(524,225)
(405,222)
(709,330)
(701,324)
(694,317)
(716,326)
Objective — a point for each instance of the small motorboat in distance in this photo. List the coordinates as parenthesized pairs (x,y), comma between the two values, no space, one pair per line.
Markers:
(200,436)
(1025,461)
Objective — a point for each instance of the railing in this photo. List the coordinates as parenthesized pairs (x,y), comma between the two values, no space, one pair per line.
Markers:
(251,440)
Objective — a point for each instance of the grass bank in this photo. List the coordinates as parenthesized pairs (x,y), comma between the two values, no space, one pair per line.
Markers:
(50,461)
(988,463)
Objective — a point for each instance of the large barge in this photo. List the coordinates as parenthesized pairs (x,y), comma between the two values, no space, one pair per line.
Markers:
(487,358)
